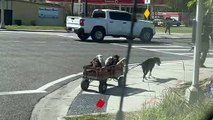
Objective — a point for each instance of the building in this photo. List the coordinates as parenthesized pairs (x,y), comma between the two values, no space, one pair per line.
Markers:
(26,13)
(44,12)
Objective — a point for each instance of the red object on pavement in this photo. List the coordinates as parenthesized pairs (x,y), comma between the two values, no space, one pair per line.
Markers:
(100,103)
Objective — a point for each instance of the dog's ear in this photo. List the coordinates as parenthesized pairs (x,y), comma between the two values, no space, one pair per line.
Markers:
(158,61)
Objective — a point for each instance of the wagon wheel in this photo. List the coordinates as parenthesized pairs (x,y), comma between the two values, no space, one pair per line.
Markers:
(121,81)
(84,84)
(102,86)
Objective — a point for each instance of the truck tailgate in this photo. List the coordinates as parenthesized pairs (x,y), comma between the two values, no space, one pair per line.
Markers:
(72,21)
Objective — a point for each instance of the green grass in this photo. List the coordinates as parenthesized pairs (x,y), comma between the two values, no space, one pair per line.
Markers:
(158,29)
(175,29)
(172,107)
(24,27)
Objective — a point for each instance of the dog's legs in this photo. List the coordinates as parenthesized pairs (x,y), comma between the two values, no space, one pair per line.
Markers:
(150,73)
(144,75)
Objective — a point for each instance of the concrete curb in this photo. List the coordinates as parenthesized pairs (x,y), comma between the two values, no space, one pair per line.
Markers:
(55,105)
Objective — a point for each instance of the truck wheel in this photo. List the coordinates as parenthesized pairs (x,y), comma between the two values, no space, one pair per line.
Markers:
(84,84)
(178,25)
(102,87)
(146,35)
(83,37)
(97,34)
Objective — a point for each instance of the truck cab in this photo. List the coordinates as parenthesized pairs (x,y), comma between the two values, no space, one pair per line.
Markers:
(106,22)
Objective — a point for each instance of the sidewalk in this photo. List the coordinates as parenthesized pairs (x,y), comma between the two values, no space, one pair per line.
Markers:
(144,94)
(138,94)
(172,35)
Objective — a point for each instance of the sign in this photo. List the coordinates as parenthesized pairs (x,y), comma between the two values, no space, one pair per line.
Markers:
(100,103)
(48,12)
(146,1)
(116,1)
(147,13)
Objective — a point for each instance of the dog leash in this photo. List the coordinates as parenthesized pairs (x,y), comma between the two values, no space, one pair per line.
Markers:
(134,67)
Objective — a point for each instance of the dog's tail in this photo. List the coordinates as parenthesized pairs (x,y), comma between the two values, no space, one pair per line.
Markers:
(134,66)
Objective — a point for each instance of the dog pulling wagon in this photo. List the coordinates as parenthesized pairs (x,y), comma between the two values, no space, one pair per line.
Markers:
(102,74)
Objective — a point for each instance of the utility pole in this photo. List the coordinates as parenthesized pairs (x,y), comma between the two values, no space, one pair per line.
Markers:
(2,25)
(120,113)
(86,8)
(72,7)
(192,93)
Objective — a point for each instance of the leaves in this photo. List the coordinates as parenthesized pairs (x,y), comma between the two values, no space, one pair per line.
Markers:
(207,4)
(191,3)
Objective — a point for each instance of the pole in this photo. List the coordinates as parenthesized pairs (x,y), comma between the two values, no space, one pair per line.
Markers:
(119,114)
(193,31)
(153,9)
(2,25)
(147,7)
(199,21)
(192,93)
(85,8)
(72,7)
(119,6)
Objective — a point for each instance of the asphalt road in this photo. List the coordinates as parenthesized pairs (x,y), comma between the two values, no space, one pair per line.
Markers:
(31,60)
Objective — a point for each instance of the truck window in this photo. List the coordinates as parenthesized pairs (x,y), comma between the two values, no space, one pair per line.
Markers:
(120,16)
(99,14)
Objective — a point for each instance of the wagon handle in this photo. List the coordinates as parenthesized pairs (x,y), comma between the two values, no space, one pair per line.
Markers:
(123,60)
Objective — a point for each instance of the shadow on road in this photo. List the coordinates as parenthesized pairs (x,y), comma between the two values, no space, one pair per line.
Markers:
(107,41)
(164,80)
(116,91)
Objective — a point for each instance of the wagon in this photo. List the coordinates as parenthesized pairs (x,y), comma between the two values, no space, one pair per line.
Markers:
(102,75)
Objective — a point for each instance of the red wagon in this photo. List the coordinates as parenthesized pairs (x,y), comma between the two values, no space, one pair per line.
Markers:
(102,74)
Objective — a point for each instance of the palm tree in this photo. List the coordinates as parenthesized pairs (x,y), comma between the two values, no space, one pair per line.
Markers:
(208,11)
(207,5)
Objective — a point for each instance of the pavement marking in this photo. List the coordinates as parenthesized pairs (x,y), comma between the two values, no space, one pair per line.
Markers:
(193,53)
(22,92)
(70,36)
(155,46)
(10,41)
(44,87)
(40,42)
(154,50)
(187,50)
(41,89)
(106,38)
(166,51)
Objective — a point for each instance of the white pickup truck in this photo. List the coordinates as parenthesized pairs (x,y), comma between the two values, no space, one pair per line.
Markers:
(106,22)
